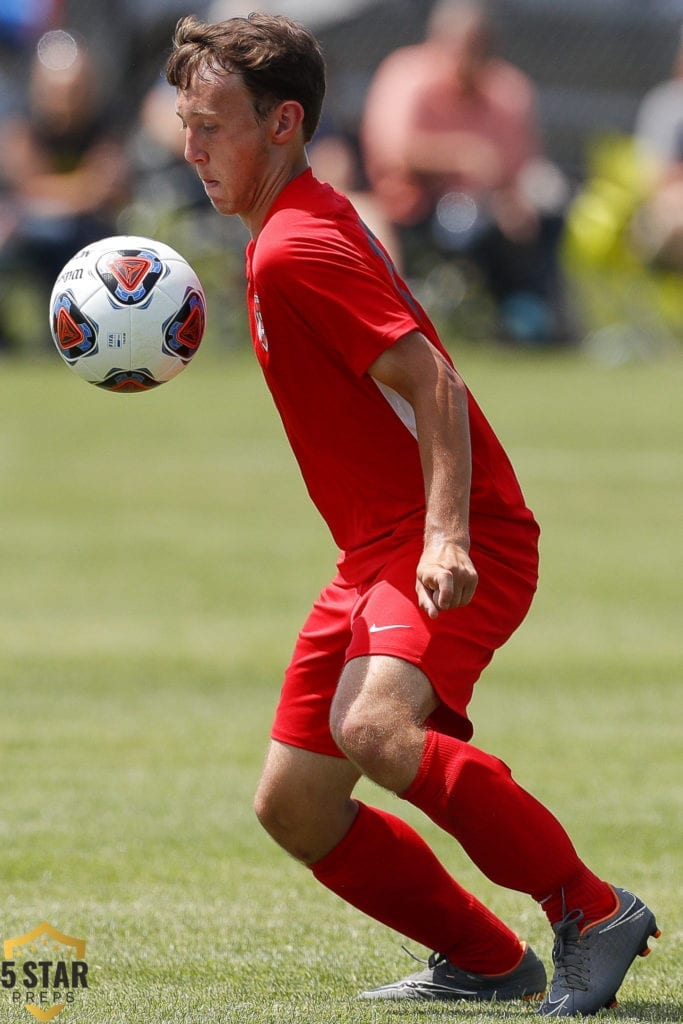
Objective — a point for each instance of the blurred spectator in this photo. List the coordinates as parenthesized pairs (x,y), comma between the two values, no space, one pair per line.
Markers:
(333,158)
(63,167)
(168,202)
(658,227)
(21,23)
(165,185)
(451,148)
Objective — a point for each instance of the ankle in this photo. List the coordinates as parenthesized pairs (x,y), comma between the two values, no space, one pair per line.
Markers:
(585,892)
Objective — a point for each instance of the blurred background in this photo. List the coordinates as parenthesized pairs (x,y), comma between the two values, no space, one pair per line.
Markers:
(567,233)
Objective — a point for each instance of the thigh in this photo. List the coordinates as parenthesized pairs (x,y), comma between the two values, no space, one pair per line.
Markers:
(386,694)
(304,780)
(451,650)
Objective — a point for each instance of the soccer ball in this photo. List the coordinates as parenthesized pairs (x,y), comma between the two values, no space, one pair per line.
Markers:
(127,313)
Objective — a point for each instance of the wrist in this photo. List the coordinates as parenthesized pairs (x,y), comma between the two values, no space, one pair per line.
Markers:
(435,536)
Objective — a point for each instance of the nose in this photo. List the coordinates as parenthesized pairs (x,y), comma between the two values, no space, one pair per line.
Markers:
(193,153)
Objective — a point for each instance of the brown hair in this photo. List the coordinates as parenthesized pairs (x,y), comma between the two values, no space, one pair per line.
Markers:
(277,58)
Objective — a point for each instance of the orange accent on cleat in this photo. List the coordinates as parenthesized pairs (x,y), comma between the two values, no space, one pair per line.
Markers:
(653,935)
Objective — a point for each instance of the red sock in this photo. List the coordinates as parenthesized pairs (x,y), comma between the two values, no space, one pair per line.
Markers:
(508,834)
(384,868)
(584,892)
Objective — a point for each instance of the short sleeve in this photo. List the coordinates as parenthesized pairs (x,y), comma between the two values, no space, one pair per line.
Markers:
(341,287)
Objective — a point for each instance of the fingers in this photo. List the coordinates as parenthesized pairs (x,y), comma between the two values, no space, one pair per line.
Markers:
(446,590)
(427,600)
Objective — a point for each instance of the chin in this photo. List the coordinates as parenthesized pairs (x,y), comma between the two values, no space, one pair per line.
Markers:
(223,206)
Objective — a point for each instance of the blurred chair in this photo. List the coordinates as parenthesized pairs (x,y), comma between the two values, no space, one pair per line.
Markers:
(624,241)
(658,135)
(621,254)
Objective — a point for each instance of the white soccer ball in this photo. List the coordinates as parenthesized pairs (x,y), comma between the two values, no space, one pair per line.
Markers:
(127,313)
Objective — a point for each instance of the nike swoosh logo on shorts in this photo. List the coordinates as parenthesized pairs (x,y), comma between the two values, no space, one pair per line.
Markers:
(381,629)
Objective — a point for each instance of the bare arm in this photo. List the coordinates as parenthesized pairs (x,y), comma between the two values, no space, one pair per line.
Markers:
(446,154)
(412,367)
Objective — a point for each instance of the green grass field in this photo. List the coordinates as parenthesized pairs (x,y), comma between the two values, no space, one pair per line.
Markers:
(158,554)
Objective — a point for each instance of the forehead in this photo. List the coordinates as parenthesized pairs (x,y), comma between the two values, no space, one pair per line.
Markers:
(212,93)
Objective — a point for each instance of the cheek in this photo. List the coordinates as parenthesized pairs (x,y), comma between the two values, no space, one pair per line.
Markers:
(248,160)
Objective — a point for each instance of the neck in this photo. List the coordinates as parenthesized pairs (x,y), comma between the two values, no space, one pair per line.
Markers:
(255,219)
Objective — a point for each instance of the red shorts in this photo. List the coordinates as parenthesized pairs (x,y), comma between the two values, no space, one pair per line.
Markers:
(381,616)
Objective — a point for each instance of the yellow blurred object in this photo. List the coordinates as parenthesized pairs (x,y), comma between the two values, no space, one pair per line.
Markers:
(613,283)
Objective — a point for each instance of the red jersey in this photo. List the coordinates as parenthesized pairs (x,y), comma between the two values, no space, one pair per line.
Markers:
(324,302)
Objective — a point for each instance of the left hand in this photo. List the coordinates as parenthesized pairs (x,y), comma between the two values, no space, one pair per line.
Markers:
(446,578)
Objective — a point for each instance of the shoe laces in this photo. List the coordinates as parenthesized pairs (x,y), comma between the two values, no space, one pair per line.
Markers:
(568,952)
(432,961)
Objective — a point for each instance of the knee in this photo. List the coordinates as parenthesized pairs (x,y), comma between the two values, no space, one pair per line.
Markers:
(304,829)
(291,821)
(272,809)
(372,742)
(354,733)
(278,817)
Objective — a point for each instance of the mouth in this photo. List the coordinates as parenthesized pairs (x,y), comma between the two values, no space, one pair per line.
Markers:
(207,182)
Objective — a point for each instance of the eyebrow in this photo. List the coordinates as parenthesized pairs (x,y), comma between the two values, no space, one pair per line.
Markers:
(196,112)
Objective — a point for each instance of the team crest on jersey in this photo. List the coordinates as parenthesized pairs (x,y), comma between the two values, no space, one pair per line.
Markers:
(260,328)
(129,275)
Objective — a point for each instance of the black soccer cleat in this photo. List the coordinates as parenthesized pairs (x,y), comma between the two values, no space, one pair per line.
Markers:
(441,979)
(591,962)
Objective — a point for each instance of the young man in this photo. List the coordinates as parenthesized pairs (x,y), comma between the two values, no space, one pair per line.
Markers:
(437,566)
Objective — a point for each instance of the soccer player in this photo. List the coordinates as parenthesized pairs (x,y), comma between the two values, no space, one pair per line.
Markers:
(437,564)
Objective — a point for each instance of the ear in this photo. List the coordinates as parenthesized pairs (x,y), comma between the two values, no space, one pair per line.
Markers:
(288,119)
